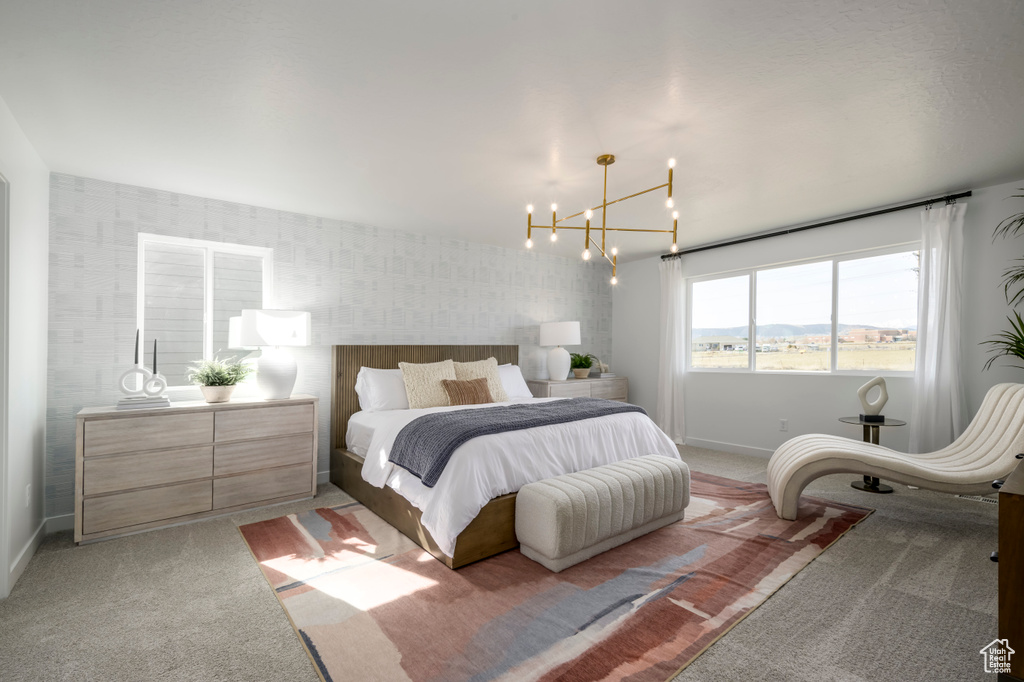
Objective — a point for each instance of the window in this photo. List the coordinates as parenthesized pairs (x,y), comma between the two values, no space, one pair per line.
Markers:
(878,313)
(188,288)
(720,323)
(794,318)
(851,313)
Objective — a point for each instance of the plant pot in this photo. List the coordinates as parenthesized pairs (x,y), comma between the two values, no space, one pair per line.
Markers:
(581,372)
(217,394)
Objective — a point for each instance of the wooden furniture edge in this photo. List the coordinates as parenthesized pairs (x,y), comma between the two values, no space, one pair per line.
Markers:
(191,406)
(492,531)
(1011,566)
(191,518)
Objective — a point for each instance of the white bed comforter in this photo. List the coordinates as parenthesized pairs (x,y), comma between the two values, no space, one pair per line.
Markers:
(497,464)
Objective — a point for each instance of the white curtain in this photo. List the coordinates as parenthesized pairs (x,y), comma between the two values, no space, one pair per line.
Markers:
(939,411)
(672,365)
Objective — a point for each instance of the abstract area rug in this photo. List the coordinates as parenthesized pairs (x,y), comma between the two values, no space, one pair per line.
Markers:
(369,604)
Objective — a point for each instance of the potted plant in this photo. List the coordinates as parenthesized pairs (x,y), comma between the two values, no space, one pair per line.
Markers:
(580,364)
(217,378)
(1010,343)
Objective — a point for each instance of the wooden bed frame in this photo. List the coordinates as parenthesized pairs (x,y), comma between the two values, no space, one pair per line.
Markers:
(491,532)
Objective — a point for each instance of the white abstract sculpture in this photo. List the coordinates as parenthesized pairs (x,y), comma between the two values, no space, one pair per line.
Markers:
(873,409)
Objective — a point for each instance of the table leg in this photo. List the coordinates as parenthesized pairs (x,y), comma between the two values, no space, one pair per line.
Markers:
(871,484)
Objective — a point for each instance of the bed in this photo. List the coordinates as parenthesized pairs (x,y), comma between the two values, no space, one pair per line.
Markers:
(470,516)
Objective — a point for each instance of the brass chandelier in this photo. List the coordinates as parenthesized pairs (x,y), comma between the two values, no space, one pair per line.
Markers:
(603,160)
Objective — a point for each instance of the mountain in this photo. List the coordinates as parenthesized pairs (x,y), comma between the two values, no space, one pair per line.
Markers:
(779,330)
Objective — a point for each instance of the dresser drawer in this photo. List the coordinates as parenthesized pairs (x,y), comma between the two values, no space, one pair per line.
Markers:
(570,389)
(132,434)
(145,506)
(262,485)
(263,422)
(610,389)
(233,458)
(124,472)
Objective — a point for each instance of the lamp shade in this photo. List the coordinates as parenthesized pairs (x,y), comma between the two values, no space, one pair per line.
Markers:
(275,328)
(235,334)
(559,333)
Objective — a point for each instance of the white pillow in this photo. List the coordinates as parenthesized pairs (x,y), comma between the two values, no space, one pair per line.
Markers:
(381,389)
(513,382)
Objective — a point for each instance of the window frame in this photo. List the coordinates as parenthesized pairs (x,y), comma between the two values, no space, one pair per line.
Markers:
(751,273)
(210,248)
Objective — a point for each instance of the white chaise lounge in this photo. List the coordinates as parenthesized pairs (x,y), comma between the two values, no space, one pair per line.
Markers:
(986,451)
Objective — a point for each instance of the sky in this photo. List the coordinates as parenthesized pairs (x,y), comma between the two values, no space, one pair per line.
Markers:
(880,291)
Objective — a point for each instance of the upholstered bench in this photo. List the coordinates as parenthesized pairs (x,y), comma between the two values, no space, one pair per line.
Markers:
(564,520)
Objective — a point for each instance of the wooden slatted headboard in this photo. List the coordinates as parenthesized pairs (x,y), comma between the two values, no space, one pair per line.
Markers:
(348,360)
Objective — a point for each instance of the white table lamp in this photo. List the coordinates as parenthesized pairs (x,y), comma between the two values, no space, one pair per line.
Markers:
(559,334)
(273,331)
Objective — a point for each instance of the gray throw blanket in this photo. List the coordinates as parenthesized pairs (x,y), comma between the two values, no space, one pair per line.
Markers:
(426,443)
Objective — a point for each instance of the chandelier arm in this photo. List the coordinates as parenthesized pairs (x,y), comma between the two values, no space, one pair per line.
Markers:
(610,229)
(601,206)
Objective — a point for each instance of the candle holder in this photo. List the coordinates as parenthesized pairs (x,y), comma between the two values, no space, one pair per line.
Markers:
(145,392)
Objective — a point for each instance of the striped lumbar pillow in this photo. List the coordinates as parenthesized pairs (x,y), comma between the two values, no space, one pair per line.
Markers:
(468,392)
(483,369)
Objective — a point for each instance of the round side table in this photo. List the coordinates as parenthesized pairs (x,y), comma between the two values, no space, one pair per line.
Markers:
(872,430)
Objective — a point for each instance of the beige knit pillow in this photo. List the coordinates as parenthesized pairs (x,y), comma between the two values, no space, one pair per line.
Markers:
(423,382)
(483,369)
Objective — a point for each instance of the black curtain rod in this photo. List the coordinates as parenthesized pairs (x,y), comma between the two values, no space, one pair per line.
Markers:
(949,198)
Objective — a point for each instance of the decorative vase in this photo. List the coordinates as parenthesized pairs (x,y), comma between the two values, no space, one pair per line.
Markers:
(581,372)
(217,394)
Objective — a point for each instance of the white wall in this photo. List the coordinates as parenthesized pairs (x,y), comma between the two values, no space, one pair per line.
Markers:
(26,292)
(740,412)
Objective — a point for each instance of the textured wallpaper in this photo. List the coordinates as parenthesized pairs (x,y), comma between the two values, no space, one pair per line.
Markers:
(362,284)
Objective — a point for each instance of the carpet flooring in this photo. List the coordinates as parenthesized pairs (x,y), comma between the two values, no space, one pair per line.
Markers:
(908,594)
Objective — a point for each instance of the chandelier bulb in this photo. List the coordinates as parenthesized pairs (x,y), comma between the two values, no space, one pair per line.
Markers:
(588,214)
(529,243)
(674,247)
(615,280)
(615,251)
(675,215)
(554,237)
(670,203)
(529,208)
(554,207)
(671,163)
(586,254)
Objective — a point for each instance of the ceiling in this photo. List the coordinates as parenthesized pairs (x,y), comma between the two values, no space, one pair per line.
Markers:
(447,118)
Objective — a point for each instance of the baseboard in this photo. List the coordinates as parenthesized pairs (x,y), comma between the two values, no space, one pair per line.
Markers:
(729,447)
(21,561)
(55,524)
(323,477)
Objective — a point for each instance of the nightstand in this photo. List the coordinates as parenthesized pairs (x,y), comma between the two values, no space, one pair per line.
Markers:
(611,388)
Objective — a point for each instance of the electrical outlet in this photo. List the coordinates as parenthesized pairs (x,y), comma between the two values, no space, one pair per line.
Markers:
(28,494)
(783,425)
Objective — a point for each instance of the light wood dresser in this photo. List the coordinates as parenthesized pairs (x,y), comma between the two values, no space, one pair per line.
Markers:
(610,388)
(142,469)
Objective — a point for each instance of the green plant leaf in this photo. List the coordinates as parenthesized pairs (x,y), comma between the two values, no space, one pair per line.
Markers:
(218,372)
(1008,343)
(1013,224)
